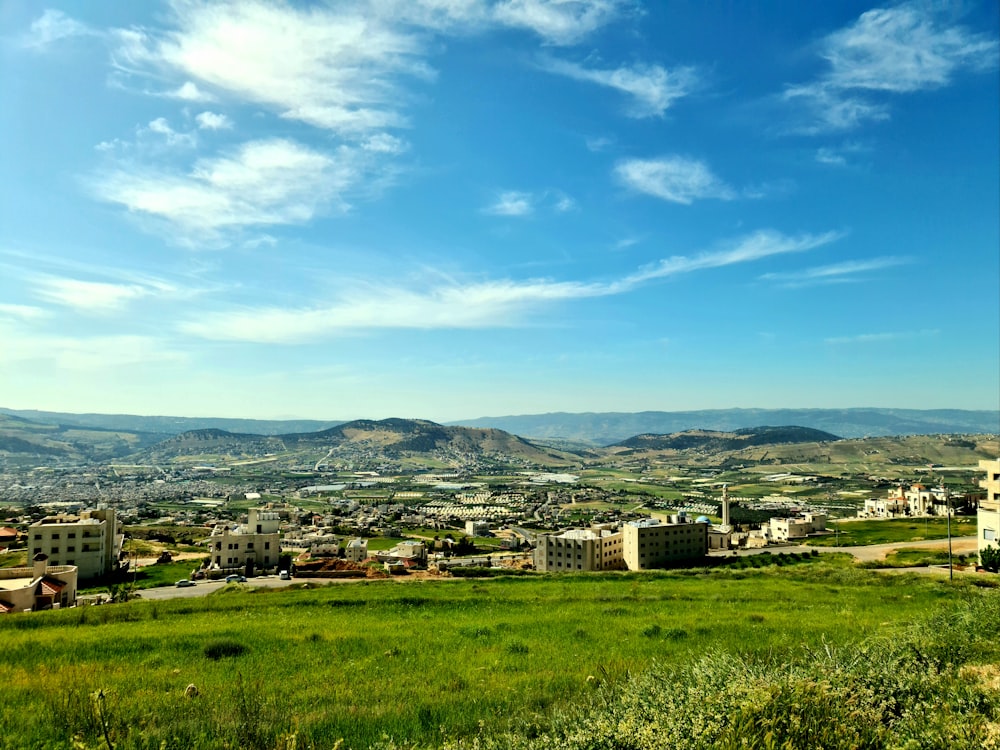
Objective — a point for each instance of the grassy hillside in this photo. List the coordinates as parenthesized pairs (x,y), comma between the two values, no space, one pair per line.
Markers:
(459,661)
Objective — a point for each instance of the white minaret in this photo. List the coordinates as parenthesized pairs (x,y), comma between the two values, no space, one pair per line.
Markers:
(725,505)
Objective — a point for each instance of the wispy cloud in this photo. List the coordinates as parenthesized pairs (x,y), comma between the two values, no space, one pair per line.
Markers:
(524,203)
(673,178)
(213,121)
(333,68)
(84,353)
(837,273)
(23,312)
(756,246)
(512,203)
(881,338)
(456,305)
(653,88)
(160,127)
(93,296)
(52,26)
(261,183)
(898,50)
(558,21)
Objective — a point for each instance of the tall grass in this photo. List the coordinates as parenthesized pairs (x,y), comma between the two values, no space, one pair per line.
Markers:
(421,663)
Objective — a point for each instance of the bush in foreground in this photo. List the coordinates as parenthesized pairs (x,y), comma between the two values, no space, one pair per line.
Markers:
(919,692)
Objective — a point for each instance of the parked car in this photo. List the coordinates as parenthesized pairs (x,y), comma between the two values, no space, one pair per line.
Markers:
(283,575)
(184,583)
(236,579)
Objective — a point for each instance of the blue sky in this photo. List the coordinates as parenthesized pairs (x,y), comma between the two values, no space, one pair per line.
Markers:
(454,208)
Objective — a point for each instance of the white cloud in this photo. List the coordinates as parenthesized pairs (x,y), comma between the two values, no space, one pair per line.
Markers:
(383,143)
(879,338)
(92,353)
(161,127)
(512,203)
(453,305)
(563,203)
(213,121)
(333,68)
(261,183)
(653,88)
(559,22)
(673,178)
(846,271)
(23,312)
(907,48)
(189,92)
(93,296)
(830,156)
(756,246)
(52,26)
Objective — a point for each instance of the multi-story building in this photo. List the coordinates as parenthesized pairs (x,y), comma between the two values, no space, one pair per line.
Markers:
(797,527)
(91,542)
(255,544)
(651,543)
(989,507)
(580,549)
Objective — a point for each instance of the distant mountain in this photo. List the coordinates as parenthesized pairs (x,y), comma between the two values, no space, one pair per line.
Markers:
(611,427)
(387,438)
(24,441)
(711,440)
(172,425)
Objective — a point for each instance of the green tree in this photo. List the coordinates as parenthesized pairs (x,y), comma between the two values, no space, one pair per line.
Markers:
(990,557)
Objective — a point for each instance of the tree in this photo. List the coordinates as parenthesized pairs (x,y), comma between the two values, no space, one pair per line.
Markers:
(990,557)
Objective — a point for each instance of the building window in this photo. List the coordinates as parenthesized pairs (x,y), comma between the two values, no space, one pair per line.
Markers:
(71,535)
(71,549)
(267,545)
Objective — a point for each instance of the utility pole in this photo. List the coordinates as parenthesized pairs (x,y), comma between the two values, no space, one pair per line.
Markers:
(947,499)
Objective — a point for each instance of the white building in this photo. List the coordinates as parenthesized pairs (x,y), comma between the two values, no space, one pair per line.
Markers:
(91,542)
(255,544)
(477,528)
(989,507)
(357,550)
(38,587)
(798,527)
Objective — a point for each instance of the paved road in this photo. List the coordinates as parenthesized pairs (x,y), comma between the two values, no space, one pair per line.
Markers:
(203,588)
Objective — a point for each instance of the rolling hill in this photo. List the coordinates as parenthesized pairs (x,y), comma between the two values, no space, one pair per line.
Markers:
(713,441)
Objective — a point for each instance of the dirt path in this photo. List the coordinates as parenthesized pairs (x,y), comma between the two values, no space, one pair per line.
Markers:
(959,545)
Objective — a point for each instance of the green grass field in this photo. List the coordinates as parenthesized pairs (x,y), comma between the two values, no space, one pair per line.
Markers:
(420,663)
(884,531)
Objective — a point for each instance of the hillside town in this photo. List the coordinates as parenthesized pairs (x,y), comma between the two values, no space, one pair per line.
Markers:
(70,545)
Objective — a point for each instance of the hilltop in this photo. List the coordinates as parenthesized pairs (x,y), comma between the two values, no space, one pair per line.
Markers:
(388,439)
(608,428)
(714,441)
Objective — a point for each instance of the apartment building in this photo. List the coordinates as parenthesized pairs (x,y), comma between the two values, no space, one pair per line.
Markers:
(989,507)
(580,549)
(651,543)
(255,544)
(91,542)
(797,527)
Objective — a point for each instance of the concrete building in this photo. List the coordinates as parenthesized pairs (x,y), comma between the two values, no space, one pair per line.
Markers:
(477,528)
(39,587)
(989,507)
(797,527)
(580,549)
(357,550)
(651,543)
(916,501)
(255,544)
(90,542)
